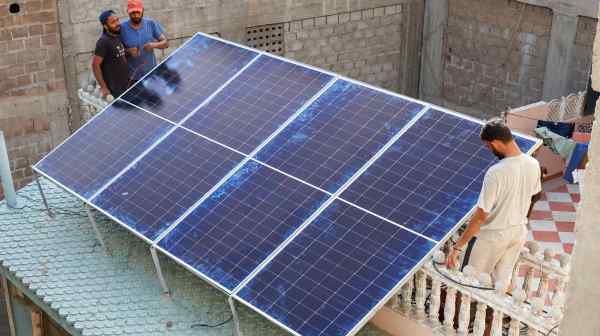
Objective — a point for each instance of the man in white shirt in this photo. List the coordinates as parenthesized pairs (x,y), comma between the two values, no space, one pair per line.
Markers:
(500,220)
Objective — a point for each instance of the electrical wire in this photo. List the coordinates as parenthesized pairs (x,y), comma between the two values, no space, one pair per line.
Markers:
(551,330)
(435,266)
(57,210)
(205,325)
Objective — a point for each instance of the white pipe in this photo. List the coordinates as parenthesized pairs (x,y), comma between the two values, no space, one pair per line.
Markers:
(5,176)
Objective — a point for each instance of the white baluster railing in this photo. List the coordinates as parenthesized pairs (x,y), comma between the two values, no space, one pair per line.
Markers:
(506,314)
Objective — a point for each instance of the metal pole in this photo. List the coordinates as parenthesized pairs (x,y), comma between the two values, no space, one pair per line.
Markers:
(37,181)
(93,222)
(159,273)
(236,320)
(6,177)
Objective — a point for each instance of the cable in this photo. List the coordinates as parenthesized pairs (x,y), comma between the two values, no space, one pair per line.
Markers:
(205,325)
(61,211)
(456,281)
(551,330)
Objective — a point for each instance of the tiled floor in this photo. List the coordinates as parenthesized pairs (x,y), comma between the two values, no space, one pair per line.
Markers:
(553,218)
(553,223)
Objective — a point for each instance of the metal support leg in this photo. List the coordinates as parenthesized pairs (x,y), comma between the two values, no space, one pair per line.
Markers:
(37,181)
(159,273)
(236,319)
(93,222)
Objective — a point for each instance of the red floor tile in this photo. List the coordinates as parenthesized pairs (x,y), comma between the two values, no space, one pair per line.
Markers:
(546,236)
(565,226)
(576,198)
(568,247)
(542,215)
(562,188)
(561,206)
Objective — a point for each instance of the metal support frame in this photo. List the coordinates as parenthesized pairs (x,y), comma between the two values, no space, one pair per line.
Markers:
(90,215)
(159,272)
(236,319)
(37,181)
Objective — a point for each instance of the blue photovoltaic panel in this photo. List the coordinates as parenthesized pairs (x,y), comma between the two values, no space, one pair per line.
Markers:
(257,102)
(327,143)
(189,76)
(430,178)
(235,229)
(335,271)
(525,144)
(166,182)
(102,148)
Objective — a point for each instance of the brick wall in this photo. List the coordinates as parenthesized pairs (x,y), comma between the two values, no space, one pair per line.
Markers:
(230,18)
(33,104)
(482,75)
(372,45)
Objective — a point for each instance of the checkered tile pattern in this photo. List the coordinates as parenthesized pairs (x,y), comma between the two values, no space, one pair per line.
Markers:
(553,217)
(553,225)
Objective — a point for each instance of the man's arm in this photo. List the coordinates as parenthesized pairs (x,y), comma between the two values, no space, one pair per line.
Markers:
(537,196)
(162,43)
(472,229)
(96,62)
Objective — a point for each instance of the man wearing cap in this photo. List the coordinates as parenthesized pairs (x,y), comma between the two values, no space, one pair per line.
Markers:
(109,63)
(141,35)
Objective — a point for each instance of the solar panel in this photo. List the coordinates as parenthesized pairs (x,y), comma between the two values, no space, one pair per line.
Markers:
(102,148)
(189,76)
(257,102)
(275,230)
(329,277)
(337,134)
(430,178)
(241,224)
(155,192)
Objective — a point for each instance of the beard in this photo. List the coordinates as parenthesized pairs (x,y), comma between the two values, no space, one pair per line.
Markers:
(136,20)
(115,31)
(499,155)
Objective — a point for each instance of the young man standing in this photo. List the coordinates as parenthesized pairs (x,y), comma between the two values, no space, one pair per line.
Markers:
(141,35)
(500,220)
(109,63)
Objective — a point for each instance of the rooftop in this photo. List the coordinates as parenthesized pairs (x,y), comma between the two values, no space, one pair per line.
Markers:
(61,266)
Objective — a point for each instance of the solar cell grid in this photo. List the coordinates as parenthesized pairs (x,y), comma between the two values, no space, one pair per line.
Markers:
(166,182)
(189,76)
(335,272)
(102,148)
(430,178)
(234,230)
(328,142)
(257,102)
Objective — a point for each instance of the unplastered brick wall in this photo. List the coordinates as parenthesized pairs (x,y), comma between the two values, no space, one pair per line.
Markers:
(495,55)
(581,62)
(231,18)
(33,105)
(371,45)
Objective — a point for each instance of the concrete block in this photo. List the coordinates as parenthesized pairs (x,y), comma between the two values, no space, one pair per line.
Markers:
(343,18)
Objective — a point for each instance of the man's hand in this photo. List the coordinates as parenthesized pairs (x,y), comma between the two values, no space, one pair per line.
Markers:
(133,52)
(452,259)
(104,91)
(148,47)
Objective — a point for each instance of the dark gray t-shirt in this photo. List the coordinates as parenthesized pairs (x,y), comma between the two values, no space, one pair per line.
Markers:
(114,65)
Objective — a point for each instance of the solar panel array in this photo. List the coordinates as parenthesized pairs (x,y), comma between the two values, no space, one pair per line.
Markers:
(309,197)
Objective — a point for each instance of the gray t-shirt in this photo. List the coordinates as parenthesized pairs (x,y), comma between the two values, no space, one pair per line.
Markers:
(507,190)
